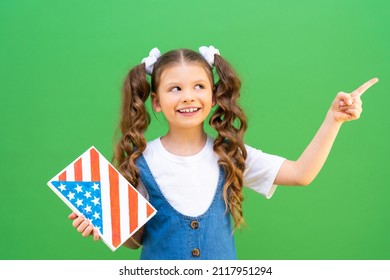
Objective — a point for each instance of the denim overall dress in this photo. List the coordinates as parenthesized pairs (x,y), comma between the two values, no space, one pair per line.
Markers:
(170,235)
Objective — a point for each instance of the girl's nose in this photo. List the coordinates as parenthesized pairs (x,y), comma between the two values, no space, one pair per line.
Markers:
(188,96)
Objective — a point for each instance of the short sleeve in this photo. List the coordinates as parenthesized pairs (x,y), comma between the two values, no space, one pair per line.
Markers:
(261,170)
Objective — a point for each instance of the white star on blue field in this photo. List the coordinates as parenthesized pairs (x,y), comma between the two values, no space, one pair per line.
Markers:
(86,197)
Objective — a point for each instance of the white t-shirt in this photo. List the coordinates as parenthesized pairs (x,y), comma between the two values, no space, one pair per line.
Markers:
(189,183)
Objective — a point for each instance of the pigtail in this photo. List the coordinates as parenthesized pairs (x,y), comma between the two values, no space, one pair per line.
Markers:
(230,122)
(134,120)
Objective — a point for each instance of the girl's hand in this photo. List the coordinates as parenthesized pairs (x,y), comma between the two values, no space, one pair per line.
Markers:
(83,226)
(348,107)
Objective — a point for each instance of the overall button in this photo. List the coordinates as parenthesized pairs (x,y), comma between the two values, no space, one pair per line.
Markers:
(196,252)
(194,224)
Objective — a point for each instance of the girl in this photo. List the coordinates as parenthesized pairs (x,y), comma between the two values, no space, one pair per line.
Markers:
(194,181)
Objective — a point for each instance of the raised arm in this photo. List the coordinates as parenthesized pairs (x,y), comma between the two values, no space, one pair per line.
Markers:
(345,107)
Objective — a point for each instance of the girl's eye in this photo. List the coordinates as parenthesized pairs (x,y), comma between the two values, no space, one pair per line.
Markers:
(199,87)
(175,89)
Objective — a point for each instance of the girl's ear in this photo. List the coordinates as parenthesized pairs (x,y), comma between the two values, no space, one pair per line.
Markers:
(155,102)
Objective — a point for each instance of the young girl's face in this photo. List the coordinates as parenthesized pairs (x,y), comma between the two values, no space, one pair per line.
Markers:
(184,95)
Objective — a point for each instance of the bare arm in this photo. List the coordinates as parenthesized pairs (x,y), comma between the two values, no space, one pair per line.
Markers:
(135,241)
(345,107)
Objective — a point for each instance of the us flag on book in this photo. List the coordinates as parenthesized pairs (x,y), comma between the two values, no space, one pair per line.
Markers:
(92,187)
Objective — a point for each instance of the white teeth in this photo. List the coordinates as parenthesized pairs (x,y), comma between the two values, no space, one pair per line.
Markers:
(189,110)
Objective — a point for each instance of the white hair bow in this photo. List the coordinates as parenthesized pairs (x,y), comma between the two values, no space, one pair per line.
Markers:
(149,61)
(208,54)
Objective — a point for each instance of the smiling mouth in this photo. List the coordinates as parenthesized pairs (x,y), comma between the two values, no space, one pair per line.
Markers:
(189,110)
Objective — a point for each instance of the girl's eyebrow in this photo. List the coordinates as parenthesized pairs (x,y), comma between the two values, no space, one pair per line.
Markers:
(200,81)
(178,83)
(172,84)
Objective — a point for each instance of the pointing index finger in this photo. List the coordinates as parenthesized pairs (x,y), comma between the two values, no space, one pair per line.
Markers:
(360,90)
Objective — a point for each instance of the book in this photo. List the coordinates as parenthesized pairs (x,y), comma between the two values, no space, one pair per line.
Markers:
(91,186)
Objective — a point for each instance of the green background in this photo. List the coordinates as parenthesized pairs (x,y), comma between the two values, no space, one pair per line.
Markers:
(62,64)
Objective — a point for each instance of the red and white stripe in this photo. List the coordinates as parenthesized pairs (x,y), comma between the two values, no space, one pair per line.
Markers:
(124,209)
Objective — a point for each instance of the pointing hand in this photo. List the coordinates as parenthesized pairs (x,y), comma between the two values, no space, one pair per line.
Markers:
(348,107)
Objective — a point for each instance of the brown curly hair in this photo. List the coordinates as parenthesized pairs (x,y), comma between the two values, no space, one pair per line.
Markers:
(228,120)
